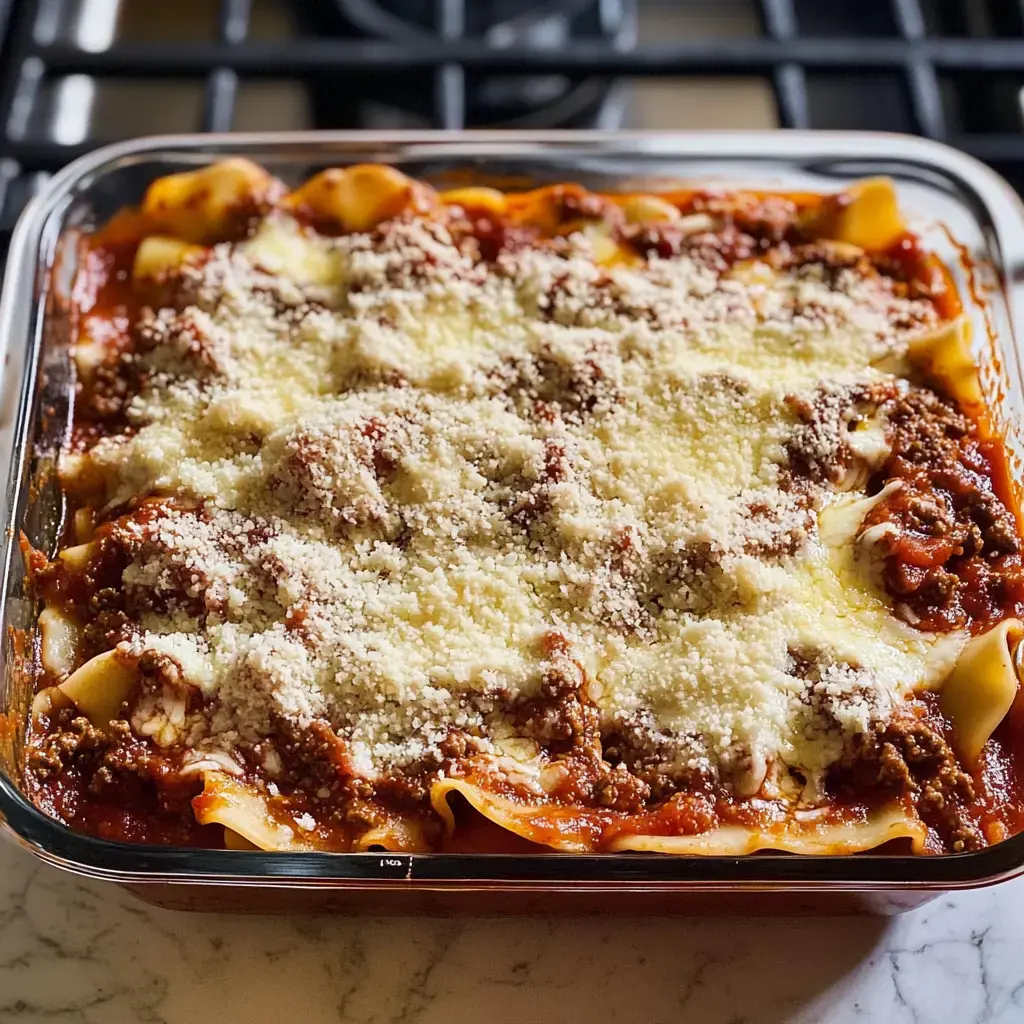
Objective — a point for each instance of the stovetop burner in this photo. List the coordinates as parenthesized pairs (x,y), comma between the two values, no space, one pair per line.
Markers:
(475,100)
(503,22)
(76,73)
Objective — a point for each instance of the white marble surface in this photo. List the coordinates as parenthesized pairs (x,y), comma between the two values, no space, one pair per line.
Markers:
(75,951)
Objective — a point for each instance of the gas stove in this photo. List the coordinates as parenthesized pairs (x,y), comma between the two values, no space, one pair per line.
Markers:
(77,73)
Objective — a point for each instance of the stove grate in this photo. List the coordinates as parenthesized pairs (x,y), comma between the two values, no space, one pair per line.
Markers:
(945,69)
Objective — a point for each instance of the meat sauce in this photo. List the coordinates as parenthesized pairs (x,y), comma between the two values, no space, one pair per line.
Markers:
(954,561)
(953,558)
(111,786)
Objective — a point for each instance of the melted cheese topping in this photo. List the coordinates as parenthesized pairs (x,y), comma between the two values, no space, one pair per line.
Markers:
(400,471)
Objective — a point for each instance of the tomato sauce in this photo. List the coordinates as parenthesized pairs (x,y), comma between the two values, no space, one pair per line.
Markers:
(953,560)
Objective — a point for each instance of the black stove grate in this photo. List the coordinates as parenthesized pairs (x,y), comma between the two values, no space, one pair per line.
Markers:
(951,70)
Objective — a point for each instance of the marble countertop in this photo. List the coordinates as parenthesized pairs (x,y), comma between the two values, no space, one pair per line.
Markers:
(77,951)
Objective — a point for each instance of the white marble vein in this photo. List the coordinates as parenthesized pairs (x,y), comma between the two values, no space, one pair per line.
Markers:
(75,951)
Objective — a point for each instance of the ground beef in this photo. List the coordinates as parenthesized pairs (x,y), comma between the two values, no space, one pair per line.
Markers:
(910,755)
(822,259)
(815,450)
(546,387)
(818,448)
(104,632)
(744,226)
(662,763)
(559,721)
(560,718)
(952,559)
(620,790)
(314,755)
(104,758)
(528,507)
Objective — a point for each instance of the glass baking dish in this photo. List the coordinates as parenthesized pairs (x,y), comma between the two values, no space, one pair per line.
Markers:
(962,211)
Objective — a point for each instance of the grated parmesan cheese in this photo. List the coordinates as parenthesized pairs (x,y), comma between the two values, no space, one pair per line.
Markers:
(401,470)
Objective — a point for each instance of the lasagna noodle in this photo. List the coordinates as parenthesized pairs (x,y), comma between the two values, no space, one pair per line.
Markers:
(891,823)
(658,428)
(800,834)
(248,815)
(240,809)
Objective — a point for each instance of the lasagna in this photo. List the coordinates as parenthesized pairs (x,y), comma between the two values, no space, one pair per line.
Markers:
(464,521)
